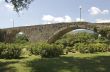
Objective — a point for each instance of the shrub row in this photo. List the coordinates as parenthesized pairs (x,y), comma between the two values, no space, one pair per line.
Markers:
(91,48)
(16,50)
(46,50)
(9,51)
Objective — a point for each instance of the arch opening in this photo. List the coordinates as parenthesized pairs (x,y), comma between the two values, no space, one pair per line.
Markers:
(65,30)
(21,37)
(84,35)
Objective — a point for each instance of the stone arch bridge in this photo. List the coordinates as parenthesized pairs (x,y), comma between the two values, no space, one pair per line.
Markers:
(48,32)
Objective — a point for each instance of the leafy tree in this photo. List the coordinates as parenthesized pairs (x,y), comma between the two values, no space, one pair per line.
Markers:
(19,4)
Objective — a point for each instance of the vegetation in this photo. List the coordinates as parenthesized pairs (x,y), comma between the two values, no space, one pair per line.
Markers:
(105,32)
(79,42)
(98,62)
(21,38)
(15,50)
(19,4)
(9,51)
(84,43)
(46,50)
(91,48)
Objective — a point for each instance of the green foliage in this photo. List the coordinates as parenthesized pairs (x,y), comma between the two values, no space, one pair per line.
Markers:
(108,35)
(9,51)
(105,32)
(98,62)
(64,42)
(70,49)
(85,37)
(21,38)
(19,4)
(35,48)
(16,50)
(71,39)
(52,50)
(81,47)
(84,43)
(102,40)
(46,50)
(91,48)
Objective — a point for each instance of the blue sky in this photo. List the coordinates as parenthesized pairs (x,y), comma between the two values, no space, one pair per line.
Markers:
(53,11)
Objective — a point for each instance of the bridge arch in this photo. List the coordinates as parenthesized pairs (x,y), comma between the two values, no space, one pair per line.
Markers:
(67,29)
(11,34)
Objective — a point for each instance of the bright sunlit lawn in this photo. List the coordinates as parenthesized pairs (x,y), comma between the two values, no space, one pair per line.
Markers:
(98,62)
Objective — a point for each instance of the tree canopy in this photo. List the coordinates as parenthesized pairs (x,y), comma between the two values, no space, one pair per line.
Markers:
(19,4)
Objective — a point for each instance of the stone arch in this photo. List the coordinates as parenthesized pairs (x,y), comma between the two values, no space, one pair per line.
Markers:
(67,29)
(10,34)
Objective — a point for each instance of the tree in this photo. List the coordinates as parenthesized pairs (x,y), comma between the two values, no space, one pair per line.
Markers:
(19,4)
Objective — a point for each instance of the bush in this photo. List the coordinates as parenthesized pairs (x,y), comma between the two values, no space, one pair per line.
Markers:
(46,50)
(91,48)
(51,50)
(81,47)
(70,49)
(35,48)
(2,48)
(101,47)
(17,50)
(9,51)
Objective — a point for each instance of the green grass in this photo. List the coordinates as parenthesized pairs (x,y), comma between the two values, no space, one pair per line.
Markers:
(97,62)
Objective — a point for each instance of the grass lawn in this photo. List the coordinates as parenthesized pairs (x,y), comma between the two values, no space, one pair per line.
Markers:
(98,62)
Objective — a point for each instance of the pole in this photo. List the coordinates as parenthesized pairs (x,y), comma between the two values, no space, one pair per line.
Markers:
(80,12)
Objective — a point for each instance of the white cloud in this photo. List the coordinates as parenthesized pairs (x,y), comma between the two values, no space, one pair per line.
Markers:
(105,11)
(102,20)
(95,11)
(51,19)
(9,6)
(59,19)
(47,18)
(78,20)
(68,18)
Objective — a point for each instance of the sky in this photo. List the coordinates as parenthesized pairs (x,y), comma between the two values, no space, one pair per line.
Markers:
(55,11)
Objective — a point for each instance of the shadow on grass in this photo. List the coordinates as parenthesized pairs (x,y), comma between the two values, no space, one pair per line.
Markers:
(71,64)
(5,68)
